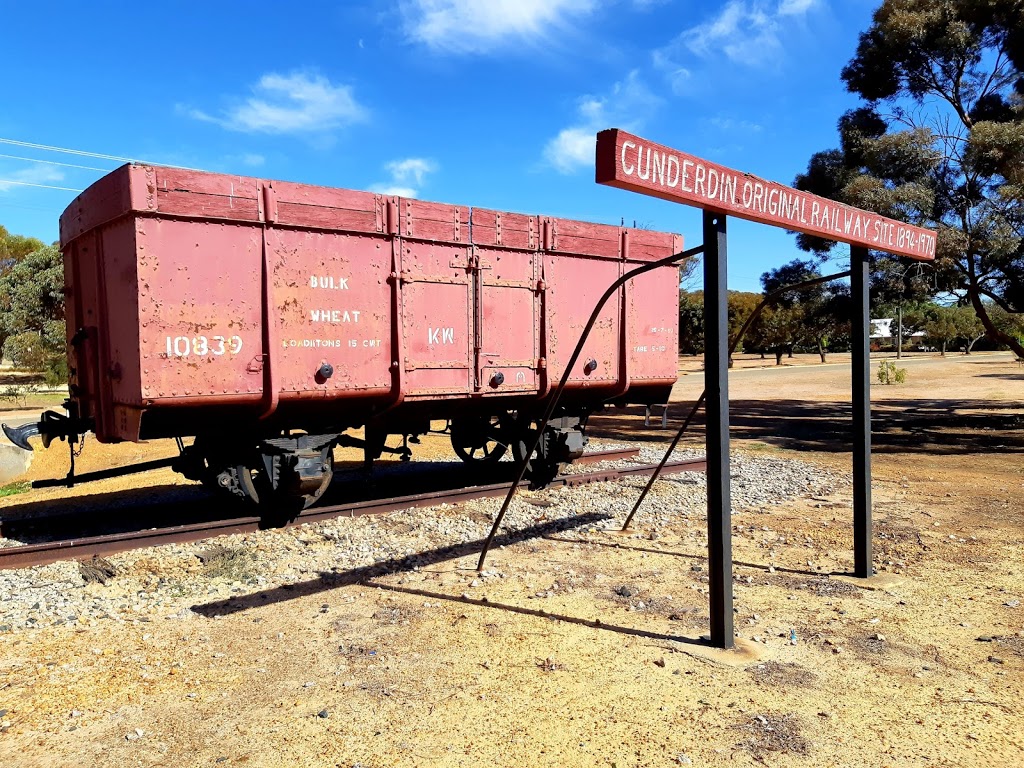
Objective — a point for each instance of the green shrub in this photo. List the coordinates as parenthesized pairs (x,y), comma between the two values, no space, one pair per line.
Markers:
(14,395)
(14,488)
(55,372)
(27,351)
(888,373)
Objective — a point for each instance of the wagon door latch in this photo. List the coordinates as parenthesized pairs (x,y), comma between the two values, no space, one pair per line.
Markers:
(475,270)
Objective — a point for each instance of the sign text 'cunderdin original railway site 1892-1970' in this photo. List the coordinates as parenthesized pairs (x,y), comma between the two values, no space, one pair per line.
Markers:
(632,163)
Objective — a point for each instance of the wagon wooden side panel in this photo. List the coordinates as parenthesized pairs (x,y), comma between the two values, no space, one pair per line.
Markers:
(198,299)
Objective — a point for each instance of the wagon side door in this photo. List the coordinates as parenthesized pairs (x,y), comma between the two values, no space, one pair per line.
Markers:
(437,299)
(331,264)
(507,317)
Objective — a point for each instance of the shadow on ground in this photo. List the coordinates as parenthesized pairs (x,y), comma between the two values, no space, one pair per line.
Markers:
(367,575)
(898,426)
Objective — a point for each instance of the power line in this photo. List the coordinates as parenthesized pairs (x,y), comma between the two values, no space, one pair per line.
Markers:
(66,151)
(83,153)
(55,162)
(41,186)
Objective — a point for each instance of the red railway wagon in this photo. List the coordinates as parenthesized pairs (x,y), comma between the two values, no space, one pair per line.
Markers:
(268,319)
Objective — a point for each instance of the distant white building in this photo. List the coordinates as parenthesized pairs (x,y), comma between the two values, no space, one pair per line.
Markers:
(883,328)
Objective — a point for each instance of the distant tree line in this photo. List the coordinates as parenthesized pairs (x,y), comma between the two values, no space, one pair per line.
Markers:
(32,306)
(817,319)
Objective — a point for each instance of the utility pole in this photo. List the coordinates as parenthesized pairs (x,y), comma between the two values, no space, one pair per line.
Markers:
(899,330)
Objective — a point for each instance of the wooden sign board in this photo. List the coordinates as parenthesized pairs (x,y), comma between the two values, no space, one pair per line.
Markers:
(629,162)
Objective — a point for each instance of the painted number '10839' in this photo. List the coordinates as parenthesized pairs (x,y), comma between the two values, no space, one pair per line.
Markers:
(201,346)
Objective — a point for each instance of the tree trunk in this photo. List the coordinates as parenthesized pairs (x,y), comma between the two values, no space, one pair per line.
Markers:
(821,351)
(778,356)
(972,342)
(943,354)
(990,329)
(789,353)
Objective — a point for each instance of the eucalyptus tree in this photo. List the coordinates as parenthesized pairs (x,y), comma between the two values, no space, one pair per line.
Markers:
(32,310)
(816,315)
(939,141)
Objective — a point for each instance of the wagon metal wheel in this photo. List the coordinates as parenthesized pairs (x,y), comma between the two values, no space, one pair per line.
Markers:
(541,468)
(278,505)
(247,484)
(521,442)
(204,462)
(481,439)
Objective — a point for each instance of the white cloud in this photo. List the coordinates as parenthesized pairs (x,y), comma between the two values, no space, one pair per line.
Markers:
(293,103)
(36,174)
(678,76)
(627,106)
(250,159)
(746,32)
(571,149)
(729,125)
(404,175)
(386,189)
(796,7)
(480,26)
(411,169)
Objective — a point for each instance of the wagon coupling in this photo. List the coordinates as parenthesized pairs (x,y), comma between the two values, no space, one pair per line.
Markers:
(20,435)
(51,426)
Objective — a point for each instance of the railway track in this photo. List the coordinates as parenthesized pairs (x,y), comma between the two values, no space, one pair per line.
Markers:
(43,553)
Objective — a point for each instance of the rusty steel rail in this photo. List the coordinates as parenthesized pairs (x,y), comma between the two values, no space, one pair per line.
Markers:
(613,454)
(592,457)
(66,549)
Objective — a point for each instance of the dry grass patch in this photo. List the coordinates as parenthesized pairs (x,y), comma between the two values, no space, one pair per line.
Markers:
(870,645)
(773,732)
(1014,643)
(822,586)
(229,563)
(782,675)
(396,615)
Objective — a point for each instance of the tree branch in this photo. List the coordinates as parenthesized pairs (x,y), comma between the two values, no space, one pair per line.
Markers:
(998,300)
(990,329)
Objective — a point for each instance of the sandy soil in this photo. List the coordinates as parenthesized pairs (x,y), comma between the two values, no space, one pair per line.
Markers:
(587,651)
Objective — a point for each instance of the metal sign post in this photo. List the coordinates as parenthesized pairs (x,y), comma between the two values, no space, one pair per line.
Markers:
(861,363)
(716,384)
(635,164)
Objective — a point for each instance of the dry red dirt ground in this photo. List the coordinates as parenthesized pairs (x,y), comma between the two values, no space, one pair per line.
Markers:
(922,667)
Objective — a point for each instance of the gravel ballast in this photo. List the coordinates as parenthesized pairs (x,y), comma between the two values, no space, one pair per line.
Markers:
(162,583)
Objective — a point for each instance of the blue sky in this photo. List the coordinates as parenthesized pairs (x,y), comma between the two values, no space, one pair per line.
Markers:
(491,103)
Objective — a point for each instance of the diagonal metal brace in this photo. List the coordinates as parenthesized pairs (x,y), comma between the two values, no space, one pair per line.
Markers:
(557,394)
